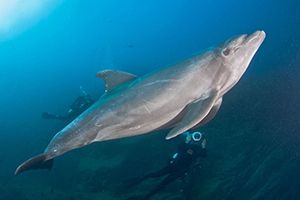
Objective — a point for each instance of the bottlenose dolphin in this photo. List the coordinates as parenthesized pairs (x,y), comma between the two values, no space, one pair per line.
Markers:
(185,95)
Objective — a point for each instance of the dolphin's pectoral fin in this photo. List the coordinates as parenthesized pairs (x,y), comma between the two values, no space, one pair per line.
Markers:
(113,78)
(211,113)
(37,162)
(197,111)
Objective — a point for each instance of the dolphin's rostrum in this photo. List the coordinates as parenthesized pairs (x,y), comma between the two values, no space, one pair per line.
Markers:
(185,95)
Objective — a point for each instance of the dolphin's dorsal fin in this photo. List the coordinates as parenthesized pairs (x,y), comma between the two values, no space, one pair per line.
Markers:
(113,78)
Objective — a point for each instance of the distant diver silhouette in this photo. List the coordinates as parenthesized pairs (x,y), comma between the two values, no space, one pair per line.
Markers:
(78,106)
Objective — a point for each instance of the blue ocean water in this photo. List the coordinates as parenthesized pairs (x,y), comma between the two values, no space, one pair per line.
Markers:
(49,49)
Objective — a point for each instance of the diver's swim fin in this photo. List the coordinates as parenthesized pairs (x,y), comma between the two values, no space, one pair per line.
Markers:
(129,183)
(37,162)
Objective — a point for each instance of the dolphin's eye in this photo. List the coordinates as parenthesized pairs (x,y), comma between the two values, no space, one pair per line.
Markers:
(226,52)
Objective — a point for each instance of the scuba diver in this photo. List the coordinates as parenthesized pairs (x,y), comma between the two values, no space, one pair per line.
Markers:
(188,154)
(79,105)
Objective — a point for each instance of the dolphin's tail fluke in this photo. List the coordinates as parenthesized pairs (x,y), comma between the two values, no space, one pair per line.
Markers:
(37,162)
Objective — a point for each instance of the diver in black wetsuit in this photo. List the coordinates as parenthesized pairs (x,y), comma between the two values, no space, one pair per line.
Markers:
(188,153)
(77,107)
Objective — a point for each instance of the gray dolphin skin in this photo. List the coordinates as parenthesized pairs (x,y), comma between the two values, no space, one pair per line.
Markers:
(183,96)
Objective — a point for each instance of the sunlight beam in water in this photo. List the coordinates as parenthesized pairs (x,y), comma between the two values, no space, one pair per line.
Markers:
(17,16)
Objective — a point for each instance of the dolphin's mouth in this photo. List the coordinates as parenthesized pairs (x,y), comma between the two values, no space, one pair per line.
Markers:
(256,36)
